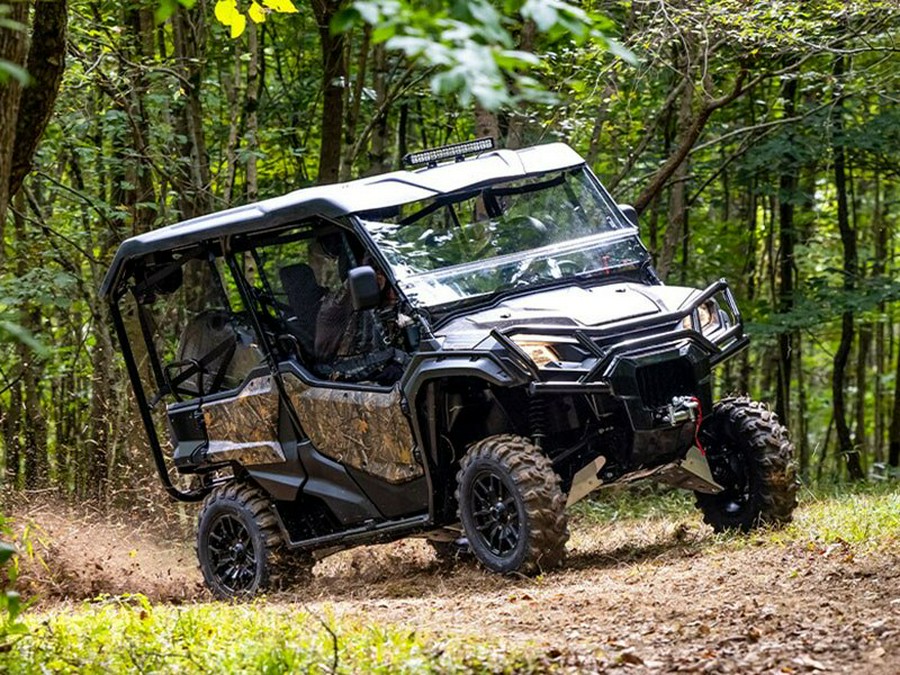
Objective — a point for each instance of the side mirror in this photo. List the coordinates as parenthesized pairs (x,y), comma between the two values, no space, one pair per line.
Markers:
(630,213)
(364,289)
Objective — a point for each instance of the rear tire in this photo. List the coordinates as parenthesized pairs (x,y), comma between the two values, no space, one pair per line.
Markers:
(751,456)
(239,545)
(511,506)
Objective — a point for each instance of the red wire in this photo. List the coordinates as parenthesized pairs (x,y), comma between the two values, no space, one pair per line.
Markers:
(697,426)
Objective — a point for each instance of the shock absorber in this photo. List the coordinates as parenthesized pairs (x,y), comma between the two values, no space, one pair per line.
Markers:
(537,418)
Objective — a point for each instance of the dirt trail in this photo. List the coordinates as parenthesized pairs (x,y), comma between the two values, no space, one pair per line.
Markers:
(657,596)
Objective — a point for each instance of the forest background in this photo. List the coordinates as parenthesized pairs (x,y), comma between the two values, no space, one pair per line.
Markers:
(759,141)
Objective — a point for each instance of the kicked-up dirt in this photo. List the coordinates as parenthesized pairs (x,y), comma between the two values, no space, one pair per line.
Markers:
(643,596)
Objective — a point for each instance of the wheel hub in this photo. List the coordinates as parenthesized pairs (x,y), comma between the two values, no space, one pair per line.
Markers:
(495,513)
(232,555)
(500,513)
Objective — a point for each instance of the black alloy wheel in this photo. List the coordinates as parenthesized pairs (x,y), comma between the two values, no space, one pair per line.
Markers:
(511,506)
(232,555)
(496,513)
(237,535)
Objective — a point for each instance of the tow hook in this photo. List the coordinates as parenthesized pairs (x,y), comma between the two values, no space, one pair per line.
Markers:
(681,409)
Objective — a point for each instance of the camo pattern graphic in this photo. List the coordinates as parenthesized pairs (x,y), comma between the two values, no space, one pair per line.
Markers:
(363,429)
(245,428)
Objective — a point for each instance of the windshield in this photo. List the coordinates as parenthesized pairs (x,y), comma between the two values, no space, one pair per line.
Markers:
(540,229)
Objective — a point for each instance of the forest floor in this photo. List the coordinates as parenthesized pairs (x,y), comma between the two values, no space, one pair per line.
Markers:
(654,593)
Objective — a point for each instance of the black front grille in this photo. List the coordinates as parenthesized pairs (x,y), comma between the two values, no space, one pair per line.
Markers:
(659,382)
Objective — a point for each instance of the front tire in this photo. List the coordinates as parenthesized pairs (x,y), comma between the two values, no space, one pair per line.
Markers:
(511,506)
(237,536)
(751,456)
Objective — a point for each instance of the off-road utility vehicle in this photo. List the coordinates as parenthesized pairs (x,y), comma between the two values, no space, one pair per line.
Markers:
(457,351)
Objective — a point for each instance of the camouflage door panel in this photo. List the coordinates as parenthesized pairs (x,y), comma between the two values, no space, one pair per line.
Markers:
(365,430)
(244,428)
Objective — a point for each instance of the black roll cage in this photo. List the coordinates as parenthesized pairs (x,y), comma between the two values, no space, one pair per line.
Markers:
(144,291)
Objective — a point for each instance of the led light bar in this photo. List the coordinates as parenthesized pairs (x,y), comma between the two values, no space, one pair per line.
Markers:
(454,151)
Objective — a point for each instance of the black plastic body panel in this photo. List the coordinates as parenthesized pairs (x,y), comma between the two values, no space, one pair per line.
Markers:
(188,432)
(393,500)
(330,482)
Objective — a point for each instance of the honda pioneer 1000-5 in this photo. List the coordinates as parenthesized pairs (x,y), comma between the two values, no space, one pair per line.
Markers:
(457,351)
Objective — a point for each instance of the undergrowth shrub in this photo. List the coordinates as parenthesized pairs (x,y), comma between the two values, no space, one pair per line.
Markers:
(11,605)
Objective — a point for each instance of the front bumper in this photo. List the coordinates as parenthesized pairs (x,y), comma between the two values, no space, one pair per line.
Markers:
(640,366)
(643,362)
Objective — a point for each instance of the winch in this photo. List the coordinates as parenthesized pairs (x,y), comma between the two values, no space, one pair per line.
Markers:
(681,409)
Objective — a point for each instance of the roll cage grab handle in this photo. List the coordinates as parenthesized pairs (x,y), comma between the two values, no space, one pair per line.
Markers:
(144,408)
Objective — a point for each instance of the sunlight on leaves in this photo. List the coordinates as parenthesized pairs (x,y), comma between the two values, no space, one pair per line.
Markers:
(256,13)
(230,14)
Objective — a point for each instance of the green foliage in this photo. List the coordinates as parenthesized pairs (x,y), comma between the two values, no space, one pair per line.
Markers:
(167,8)
(128,633)
(470,46)
(822,300)
(9,70)
(119,149)
(11,605)
(11,331)
(865,518)
(230,13)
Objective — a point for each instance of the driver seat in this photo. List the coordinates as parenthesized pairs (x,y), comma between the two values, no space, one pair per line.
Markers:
(304,296)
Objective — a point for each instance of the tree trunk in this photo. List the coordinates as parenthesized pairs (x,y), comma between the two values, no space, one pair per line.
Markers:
(252,108)
(688,139)
(189,40)
(45,65)
(231,85)
(878,267)
(850,268)
(141,198)
(518,117)
(378,161)
(787,237)
(403,131)
(894,433)
(353,107)
(750,267)
(96,473)
(12,425)
(33,429)
(334,79)
(677,199)
(862,364)
(802,420)
(13,48)
(486,124)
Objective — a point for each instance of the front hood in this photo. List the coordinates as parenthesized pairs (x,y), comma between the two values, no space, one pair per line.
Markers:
(570,306)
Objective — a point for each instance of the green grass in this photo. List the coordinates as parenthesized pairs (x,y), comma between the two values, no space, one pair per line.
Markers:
(864,516)
(131,635)
(639,502)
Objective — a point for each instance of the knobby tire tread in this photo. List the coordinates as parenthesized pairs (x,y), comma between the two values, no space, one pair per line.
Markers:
(541,492)
(772,462)
(281,566)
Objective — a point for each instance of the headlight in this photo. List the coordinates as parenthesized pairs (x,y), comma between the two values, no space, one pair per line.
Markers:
(539,352)
(708,314)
